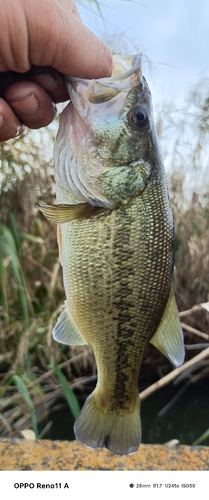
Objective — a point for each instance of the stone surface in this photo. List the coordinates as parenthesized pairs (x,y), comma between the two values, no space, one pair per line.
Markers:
(19,454)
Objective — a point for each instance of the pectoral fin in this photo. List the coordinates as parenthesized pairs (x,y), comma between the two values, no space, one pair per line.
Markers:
(169,336)
(59,214)
(65,331)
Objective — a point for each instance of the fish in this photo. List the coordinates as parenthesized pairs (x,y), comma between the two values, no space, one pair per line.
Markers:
(116,246)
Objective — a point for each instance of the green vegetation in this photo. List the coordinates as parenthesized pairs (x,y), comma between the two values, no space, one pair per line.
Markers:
(31,298)
(38,376)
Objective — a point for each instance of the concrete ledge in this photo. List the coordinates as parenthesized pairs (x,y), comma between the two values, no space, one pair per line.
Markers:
(19,454)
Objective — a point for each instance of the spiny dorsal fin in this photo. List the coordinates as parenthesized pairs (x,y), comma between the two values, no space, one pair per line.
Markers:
(169,336)
(59,214)
(65,331)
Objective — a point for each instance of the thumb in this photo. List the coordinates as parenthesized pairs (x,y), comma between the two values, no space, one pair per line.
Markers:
(64,42)
(82,54)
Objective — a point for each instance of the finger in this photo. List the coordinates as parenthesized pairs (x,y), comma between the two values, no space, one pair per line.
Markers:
(85,55)
(6,79)
(31,104)
(51,81)
(62,42)
(48,78)
(10,125)
(65,44)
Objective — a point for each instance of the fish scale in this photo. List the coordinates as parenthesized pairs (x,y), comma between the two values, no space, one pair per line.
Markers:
(116,242)
(114,301)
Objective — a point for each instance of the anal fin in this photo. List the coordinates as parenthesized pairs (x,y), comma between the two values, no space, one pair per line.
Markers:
(65,331)
(169,336)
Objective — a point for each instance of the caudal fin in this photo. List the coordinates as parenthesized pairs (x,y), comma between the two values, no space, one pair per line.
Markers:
(119,432)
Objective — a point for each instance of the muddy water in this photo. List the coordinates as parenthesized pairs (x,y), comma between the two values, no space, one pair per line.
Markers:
(186,420)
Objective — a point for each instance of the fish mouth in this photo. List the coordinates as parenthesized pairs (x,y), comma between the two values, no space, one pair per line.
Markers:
(123,68)
(127,73)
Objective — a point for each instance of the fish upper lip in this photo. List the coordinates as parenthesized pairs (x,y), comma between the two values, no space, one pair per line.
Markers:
(136,65)
(121,61)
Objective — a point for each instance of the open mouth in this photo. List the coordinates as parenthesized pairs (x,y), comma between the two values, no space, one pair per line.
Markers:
(123,67)
(127,73)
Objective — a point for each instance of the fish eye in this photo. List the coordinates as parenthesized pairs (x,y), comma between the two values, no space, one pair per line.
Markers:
(138,117)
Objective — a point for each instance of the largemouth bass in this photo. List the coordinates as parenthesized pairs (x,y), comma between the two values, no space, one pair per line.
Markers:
(116,245)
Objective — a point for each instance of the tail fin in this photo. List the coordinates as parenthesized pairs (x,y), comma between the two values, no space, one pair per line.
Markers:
(119,432)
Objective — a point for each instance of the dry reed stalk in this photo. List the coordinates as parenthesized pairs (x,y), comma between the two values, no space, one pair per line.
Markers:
(51,324)
(193,380)
(51,372)
(197,307)
(173,375)
(54,276)
(193,347)
(23,345)
(195,331)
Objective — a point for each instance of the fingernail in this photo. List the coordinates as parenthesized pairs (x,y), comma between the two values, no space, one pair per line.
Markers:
(1,120)
(55,109)
(26,106)
(20,130)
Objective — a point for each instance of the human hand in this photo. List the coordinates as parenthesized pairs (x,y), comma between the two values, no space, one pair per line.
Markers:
(41,40)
